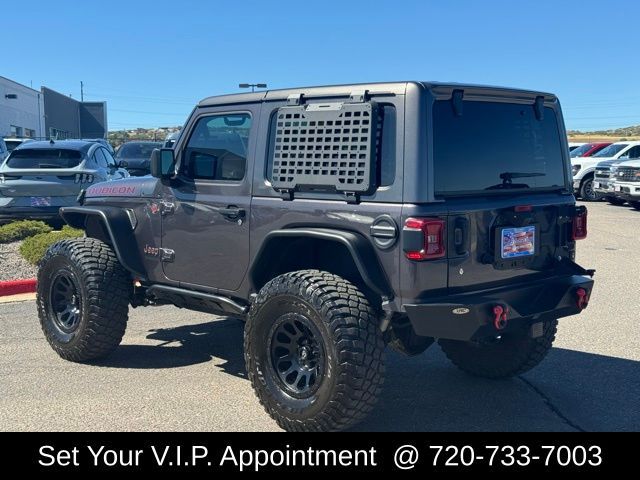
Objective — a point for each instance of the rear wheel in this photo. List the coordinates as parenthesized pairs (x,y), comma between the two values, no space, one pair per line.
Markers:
(507,356)
(587,192)
(635,205)
(83,299)
(314,351)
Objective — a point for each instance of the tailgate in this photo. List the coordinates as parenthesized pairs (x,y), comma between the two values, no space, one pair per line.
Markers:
(498,241)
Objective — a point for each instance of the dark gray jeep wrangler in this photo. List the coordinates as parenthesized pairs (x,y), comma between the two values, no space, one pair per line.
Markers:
(337,220)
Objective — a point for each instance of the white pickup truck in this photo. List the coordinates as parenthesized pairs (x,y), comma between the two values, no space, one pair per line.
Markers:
(583,168)
(627,182)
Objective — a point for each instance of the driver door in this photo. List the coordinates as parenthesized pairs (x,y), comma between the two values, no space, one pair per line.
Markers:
(208,227)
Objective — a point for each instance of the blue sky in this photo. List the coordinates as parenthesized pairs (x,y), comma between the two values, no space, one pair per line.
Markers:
(152,60)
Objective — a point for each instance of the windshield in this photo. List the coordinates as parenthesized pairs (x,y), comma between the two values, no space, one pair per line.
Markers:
(137,150)
(581,150)
(494,146)
(611,150)
(44,158)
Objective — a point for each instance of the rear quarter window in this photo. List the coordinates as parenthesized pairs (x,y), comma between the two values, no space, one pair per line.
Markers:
(385,156)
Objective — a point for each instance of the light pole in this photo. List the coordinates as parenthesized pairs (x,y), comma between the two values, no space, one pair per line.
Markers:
(253,86)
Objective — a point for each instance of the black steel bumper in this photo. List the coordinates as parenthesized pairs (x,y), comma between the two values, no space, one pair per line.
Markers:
(29,213)
(471,316)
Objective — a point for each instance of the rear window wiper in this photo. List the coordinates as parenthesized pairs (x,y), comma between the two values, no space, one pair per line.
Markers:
(509,176)
(507,180)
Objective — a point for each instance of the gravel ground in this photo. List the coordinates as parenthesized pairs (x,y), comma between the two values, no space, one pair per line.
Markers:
(12,265)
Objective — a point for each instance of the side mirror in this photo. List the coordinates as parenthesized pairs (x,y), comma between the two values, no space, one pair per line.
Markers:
(123,164)
(163,163)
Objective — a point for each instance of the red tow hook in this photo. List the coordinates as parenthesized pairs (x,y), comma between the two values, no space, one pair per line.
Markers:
(583,298)
(501,313)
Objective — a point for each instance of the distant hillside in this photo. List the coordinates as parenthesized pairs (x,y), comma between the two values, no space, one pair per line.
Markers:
(118,137)
(620,133)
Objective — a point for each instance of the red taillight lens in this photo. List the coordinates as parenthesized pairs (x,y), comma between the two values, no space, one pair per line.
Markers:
(579,231)
(424,238)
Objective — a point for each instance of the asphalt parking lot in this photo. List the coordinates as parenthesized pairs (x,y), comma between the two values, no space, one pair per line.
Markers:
(180,370)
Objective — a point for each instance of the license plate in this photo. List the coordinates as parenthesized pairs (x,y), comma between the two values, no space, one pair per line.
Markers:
(40,201)
(596,184)
(518,242)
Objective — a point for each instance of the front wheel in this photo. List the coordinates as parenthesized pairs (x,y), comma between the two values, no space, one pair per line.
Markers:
(314,351)
(587,192)
(83,299)
(509,355)
(635,205)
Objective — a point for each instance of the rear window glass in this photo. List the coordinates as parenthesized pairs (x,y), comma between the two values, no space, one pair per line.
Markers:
(44,158)
(495,146)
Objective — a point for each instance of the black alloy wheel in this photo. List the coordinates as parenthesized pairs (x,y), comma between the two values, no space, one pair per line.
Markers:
(297,354)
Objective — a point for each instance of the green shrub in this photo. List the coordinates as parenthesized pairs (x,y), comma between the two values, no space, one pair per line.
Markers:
(12,232)
(34,248)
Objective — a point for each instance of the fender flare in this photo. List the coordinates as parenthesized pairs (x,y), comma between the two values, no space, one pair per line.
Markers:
(117,225)
(361,251)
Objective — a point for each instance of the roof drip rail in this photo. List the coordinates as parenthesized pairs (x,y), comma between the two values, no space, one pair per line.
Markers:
(538,107)
(456,101)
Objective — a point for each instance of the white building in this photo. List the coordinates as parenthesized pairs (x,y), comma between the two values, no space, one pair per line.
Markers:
(21,110)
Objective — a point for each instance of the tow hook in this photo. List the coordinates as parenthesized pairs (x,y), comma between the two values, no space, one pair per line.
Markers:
(582,298)
(500,316)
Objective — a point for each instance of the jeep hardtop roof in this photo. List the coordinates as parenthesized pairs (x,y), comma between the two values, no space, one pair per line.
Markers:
(390,88)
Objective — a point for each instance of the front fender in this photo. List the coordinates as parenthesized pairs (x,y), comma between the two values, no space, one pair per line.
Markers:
(117,225)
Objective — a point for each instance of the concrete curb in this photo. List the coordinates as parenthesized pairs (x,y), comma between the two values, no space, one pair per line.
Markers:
(16,287)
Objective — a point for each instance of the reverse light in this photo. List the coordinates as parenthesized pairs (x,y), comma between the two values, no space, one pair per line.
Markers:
(579,227)
(424,238)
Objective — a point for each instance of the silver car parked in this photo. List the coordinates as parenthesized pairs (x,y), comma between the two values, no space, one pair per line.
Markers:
(38,178)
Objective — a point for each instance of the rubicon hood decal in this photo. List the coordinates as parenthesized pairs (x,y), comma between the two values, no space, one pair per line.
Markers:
(108,190)
(130,187)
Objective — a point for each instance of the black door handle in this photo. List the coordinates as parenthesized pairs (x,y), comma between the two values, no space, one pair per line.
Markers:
(232,212)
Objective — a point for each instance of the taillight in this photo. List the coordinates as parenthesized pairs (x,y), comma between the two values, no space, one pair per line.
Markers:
(579,230)
(424,238)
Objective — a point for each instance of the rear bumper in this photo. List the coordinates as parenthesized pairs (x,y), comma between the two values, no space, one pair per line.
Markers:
(470,316)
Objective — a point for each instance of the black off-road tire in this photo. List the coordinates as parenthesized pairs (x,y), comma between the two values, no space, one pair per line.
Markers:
(511,355)
(103,290)
(635,205)
(348,384)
